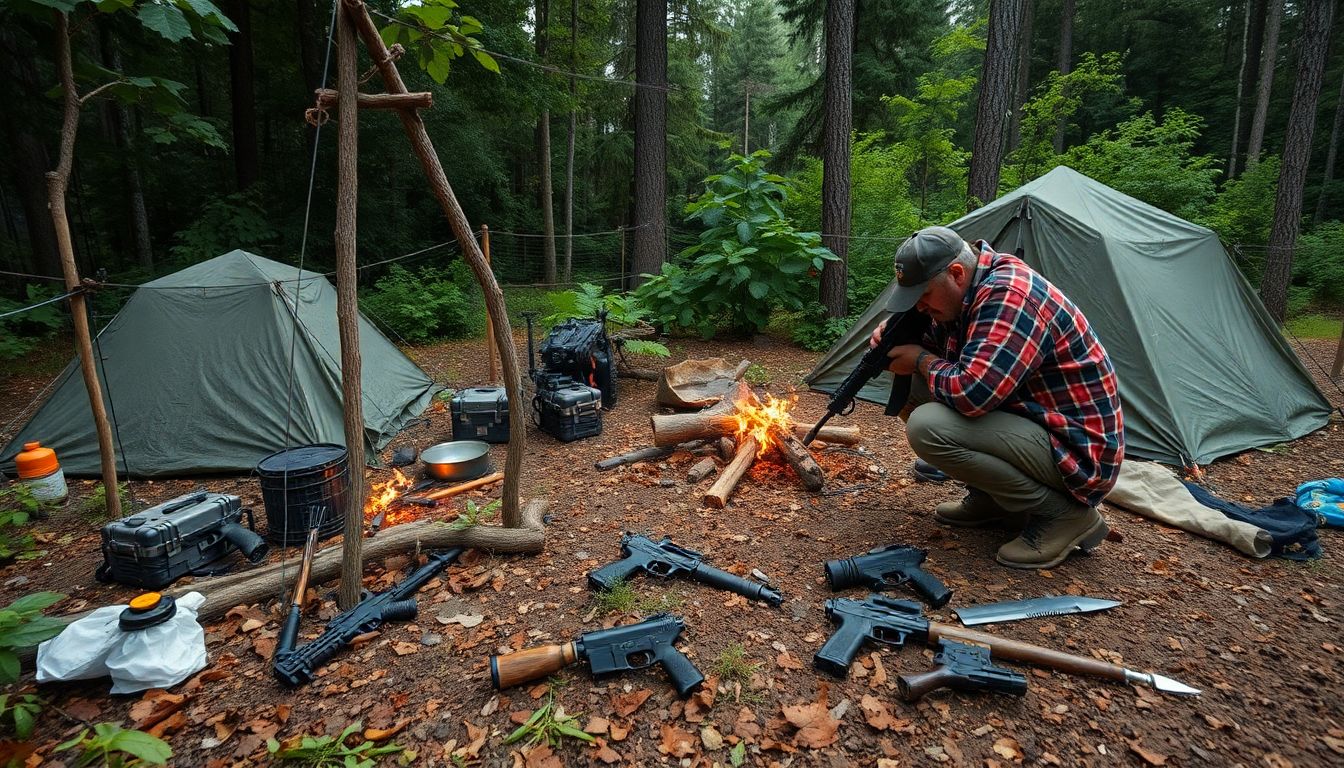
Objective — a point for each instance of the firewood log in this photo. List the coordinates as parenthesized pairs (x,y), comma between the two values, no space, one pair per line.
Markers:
(717,495)
(798,457)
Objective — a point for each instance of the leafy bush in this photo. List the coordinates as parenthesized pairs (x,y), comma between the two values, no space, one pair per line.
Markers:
(816,332)
(750,258)
(21,333)
(325,751)
(22,710)
(18,505)
(1243,212)
(225,223)
(112,746)
(22,625)
(1318,264)
(422,306)
(95,506)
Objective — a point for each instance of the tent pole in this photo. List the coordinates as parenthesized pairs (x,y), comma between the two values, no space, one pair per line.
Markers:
(347,308)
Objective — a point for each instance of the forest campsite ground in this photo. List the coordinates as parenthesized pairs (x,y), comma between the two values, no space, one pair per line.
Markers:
(1261,638)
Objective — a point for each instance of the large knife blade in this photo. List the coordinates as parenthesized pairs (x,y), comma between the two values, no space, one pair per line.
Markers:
(1031,608)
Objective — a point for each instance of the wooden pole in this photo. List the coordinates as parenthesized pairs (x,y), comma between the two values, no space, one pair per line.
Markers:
(624,284)
(511,513)
(327,98)
(489,324)
(57,182)
(1339,357)
(347,306)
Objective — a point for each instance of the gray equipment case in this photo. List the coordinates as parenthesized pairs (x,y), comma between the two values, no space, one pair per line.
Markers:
(152,548)
(481,413)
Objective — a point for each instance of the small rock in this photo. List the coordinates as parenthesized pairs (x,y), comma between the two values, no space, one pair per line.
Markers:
(711,738)
(17,581)
(839,710)
(581,555)
(666,482)
(431,639)
(758,575)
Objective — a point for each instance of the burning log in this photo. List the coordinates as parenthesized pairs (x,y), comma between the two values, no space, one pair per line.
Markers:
(798,457)
(700,471)
(717,495)
(726,448)
(721,420)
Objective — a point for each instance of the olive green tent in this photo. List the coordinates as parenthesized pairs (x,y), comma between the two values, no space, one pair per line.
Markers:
(1204,371)
(212,368)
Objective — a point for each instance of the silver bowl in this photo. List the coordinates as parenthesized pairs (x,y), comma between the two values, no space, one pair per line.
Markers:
(459,460)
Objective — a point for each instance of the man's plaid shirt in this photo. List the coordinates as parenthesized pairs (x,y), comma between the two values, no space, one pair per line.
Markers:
(1022,347)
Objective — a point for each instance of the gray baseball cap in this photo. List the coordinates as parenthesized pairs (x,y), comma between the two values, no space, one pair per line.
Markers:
(919,259)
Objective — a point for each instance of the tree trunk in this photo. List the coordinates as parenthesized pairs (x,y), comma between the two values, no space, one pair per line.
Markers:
(27,154)
(347,304)
(995,102)
(1065,65)
(1270,54)
(1313,47)
(241,91)
(511,511)
(135,192)
(57,182)
(836,126)
(650,225)
(310,57)
(567,274)
(1328,172)
(1022,79)
(544,193)
(1252,37)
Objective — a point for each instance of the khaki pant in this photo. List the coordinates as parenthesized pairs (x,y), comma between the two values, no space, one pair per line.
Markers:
(1007,457)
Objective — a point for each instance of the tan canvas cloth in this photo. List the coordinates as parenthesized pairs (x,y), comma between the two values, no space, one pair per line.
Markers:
(1153,491)
(698,383)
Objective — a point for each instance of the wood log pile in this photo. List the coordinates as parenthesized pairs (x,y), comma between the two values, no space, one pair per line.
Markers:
(715,430)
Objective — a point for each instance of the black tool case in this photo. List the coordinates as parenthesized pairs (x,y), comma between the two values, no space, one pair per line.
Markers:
(581,349)
(570,412)
(153,548)
(481,413)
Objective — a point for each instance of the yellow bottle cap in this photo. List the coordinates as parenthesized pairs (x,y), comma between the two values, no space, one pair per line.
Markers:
(146,602)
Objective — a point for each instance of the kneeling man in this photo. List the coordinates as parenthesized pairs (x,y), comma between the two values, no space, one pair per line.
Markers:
(1022,403)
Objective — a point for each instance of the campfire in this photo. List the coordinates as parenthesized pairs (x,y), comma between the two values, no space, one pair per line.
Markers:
(382,505)
(758,430)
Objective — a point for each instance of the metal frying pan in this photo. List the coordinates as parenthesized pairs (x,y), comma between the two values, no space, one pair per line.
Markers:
(459,460)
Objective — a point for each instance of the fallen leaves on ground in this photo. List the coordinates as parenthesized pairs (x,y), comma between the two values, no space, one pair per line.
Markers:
(1147,755)
(605,753)
(155,706)
(1009,749)
(701,701)
(787,660)
(878,715)
(676,742)
(625,704)
(816,727)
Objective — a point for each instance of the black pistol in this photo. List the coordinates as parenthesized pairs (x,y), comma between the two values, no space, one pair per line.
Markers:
(607,651)
(888,567)
(665,560)
(963,667)
(903,328)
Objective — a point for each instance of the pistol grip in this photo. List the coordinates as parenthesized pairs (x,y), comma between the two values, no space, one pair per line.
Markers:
(683,674)
(609,574)
(835,656)
(914,687)
(930,587)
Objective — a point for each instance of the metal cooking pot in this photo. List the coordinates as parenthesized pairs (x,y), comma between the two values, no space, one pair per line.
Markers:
(459,460)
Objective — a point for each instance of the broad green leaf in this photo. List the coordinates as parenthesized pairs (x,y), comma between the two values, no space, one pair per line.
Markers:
(432,16)
(148,748)
(35,631)
(9,666)
(438,65)
(485,60)
(165,19)
(37,601)
(758,289)
(209,13)
(23,722)
(112,6)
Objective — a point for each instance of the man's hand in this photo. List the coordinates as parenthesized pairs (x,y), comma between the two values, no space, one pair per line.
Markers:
(903,358)
(876,338)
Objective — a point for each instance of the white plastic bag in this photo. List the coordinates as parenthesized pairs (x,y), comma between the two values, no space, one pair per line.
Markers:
(160,656)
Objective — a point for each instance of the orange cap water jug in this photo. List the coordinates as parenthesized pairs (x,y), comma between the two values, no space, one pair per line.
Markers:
(41,472)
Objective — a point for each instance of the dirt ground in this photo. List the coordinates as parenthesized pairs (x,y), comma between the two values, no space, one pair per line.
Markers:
(1261,638)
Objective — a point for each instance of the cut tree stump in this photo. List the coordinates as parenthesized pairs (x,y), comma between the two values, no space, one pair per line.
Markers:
(717,495)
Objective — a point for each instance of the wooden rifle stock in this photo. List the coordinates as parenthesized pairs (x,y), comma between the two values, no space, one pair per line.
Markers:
(531,664)
(1003,648)
(914,687)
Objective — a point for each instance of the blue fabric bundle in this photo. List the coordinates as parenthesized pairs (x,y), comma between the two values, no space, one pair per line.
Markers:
(1292,528)
(1323,498)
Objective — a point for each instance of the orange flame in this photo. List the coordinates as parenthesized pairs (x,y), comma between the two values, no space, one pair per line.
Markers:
(382,495)
(757,420)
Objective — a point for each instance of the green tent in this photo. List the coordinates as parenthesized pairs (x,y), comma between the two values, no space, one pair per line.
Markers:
(196,368)
(1204,371)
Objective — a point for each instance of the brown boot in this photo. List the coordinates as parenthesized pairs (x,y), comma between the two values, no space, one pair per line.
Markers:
(1045,543)
(976,510)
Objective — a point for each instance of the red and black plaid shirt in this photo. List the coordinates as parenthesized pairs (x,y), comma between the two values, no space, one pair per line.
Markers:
(1022,347)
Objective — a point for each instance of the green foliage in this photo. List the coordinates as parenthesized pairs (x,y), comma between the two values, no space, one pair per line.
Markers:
(21,333)
(95,506)
(473,515)
(223,224)
(437,33)
(623,311)
(1314,326)
(732,666)
(737,756)
(1151,160)
(1318,263)
(18,506)
(22,711)
(331,751)
(756,375)
(1057,101)
(22,625)
(816,332)
(549,725)
(750,258)
(1244,209)
(421,306)
(621,598)
(112,746)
